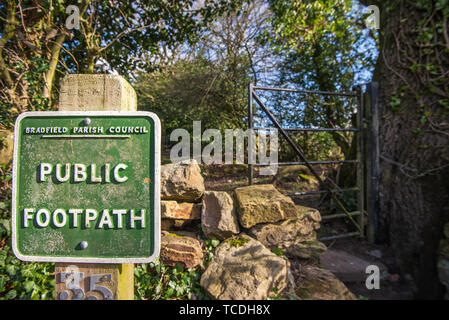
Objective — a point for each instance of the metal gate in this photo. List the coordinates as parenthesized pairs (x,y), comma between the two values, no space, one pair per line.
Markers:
(365,215)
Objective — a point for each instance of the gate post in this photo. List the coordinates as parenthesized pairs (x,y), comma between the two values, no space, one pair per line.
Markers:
(250,127)
(360,163)
(372,159)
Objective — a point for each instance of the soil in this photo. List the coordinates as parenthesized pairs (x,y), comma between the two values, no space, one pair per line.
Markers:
(392,287)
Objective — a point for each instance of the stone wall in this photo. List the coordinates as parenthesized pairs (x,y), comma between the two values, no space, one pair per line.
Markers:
(261,232)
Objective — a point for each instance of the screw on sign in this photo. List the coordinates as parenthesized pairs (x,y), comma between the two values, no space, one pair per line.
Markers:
(86,190)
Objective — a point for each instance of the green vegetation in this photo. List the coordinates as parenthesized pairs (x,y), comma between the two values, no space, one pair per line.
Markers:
(158,281)
(174,235)
(19,280)
(237,242)
(277,251)
(193,63)
(23,280)
(186,65)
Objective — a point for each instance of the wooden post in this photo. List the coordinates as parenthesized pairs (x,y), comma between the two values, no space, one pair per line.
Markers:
(95,92)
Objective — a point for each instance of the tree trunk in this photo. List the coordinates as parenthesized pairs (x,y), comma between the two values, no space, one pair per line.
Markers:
(414,189)
(54,59)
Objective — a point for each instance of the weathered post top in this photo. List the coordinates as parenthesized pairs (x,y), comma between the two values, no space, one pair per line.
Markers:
(96,92)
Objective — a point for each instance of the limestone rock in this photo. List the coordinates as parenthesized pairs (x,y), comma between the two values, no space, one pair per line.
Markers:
(180,249)
(179,224)
(244,269)
(6,146)
(282,234)
(295,237)
(180,215)
(180,210)
(181,181)
(350,267)
(262,204)
(320,284)
(218,217)
(308,250)
(311,214)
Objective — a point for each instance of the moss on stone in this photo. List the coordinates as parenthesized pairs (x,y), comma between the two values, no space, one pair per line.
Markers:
(173,235)
(237,242)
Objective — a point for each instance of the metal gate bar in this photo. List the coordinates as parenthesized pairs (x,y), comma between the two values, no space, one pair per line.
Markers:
(311,162)
(327,93)
(309,129)
(296,148)
(339,215)
(340,236)
(293,194)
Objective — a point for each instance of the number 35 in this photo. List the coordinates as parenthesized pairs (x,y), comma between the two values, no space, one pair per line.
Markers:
(72,280)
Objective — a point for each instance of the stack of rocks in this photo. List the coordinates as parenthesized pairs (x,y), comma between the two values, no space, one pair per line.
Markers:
(6,147)
(260,231)
(182,188)
(277,222)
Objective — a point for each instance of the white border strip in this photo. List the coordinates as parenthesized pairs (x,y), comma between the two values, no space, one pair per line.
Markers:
(85,136)
(157,194)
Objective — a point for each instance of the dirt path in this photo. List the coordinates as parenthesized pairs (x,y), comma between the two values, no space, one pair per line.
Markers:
(392,285)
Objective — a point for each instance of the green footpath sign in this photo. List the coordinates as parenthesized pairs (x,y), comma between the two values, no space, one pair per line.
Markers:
(86,187)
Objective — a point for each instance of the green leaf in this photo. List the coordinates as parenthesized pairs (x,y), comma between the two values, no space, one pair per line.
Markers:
(36,296)
(395,101)
(3,281)
(277,251)
(5,227)
(305,177)
(11,270)
(28,272)
(28,286)
(2,260)
(158,288)
(169,292)
(423,119)
(214,242)
(11,294)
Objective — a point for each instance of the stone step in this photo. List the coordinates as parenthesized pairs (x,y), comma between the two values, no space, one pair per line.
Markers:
(348,267)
